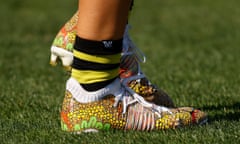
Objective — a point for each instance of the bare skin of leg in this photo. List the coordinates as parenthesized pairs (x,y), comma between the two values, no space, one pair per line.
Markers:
(102,19)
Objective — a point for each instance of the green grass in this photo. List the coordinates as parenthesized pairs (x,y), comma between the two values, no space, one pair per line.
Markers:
(193,53)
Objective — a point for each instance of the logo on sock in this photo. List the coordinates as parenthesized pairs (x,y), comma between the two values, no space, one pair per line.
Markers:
(107,44)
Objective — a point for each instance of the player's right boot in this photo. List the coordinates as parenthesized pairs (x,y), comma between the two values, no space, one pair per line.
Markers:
(117,106)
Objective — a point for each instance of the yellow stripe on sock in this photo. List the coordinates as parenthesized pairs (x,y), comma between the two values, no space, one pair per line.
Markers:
(103,59)
(89,76)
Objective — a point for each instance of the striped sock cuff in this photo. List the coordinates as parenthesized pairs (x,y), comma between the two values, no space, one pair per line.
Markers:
(96,63)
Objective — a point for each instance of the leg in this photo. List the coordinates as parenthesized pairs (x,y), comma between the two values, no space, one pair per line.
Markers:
(102,19)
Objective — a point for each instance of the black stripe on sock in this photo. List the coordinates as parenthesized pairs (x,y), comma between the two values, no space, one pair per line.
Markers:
(97,86)
(86,65)
(105,47)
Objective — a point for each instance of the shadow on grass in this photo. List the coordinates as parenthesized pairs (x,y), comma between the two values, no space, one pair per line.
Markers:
(229,112)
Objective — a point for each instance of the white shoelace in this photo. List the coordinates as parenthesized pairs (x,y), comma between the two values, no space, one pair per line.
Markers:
(136,98)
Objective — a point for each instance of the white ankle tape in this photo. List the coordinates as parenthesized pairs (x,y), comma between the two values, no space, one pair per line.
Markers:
(83,96)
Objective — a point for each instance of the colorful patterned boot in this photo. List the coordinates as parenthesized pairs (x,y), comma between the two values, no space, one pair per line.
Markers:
(118,107)
(62,49)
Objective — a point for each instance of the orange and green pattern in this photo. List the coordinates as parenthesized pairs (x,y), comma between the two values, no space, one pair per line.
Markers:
(96,115)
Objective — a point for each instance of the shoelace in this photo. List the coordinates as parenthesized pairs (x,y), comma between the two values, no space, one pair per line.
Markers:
(125,97)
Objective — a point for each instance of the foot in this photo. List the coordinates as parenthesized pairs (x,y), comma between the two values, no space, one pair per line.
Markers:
(118,107)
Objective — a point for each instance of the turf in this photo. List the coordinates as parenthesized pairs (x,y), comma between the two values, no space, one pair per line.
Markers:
(193,53)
